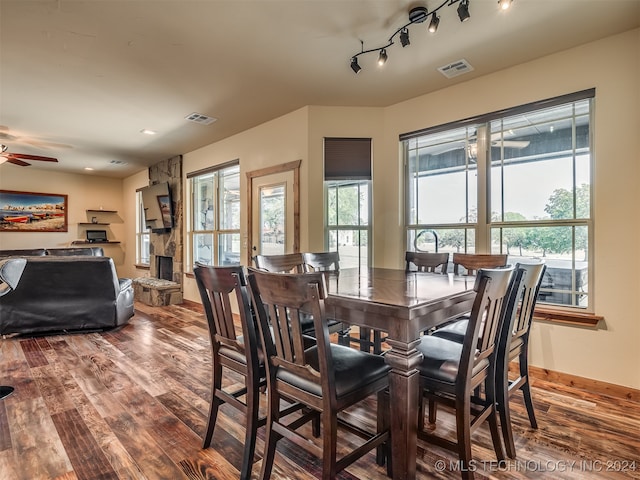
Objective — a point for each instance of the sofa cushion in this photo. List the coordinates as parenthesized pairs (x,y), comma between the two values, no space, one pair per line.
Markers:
(74,251)
(26,252)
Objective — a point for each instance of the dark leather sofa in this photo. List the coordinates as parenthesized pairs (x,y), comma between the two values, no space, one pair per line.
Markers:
(68,290)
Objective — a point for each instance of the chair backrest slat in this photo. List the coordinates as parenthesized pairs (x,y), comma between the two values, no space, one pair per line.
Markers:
(285,263)
(426,261)
(322,261)
(474,261)
(528,298)
(217,287)
(280,301)
(492,287)
(495,315)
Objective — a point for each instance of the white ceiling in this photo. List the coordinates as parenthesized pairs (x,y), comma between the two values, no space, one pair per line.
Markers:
(81,78)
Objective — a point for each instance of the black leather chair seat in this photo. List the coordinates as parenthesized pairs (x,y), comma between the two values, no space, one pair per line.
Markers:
(306,322)
(455,331)
(353,370)
(237,356)
(442,359)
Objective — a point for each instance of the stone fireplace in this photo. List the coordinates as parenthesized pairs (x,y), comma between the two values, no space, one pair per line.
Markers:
(163,286)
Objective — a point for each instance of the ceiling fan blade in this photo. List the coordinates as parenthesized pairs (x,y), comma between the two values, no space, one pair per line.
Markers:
(43,144)
(516,143)
(15,161)
(25,156)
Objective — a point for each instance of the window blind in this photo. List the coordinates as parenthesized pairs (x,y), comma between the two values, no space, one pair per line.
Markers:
(347,158)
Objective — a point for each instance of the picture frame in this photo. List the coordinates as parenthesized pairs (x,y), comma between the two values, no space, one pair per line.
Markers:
(164,202)
(33,212)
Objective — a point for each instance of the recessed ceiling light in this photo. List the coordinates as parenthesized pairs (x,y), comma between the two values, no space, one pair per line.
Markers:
(88,168)
(146,131)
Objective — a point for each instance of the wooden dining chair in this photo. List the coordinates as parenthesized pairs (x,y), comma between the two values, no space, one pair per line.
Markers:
(320,378)
(322,261)
(473,261)
(285,263)
(237,352)
(513,343)
(426,262)
(295,263)
(462,375)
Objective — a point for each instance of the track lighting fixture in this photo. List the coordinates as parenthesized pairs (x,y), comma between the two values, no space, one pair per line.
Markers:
(404,37)
(435,21)
(354,65)
(418,15)
(382,59)
(463,10)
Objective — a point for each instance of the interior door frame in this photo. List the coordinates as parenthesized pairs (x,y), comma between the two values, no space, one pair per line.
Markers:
(283,167)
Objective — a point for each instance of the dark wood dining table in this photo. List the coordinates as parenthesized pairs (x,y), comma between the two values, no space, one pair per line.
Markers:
(403,304)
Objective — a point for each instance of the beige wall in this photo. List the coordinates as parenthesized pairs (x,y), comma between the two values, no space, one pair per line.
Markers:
(83,191)
(278,141)
(129,187)
(611,65)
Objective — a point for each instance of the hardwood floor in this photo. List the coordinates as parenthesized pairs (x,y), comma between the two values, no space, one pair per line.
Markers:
(132,404)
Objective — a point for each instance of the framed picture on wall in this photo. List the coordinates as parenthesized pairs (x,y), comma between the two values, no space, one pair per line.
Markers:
(32,212)
(164,202)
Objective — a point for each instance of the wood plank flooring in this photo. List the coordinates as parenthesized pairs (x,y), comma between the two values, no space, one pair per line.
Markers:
(132,404)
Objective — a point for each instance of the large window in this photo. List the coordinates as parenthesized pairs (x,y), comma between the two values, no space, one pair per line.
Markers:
(142,233)
(347,174)
(515,182)
(214,216)
(348,227)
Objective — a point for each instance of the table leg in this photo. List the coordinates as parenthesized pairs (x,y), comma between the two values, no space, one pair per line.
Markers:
(404,383)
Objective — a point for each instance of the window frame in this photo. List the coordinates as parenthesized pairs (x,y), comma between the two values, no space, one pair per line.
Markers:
(191,211)
(337,227)
(573,314)
(141,233)
(347,161)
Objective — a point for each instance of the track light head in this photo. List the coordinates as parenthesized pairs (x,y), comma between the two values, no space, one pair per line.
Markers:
(382,59)
(504,4)
(354,65)
(404,37)
(433,25)
(463,11)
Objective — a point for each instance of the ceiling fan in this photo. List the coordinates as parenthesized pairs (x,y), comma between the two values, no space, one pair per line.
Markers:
(472,146)
(19,158)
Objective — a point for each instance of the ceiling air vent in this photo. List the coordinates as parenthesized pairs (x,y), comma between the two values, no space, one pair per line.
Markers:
(117,162)
(199,118)
(454,69)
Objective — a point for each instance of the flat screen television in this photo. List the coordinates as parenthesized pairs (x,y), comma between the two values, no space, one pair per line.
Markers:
(158,207)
